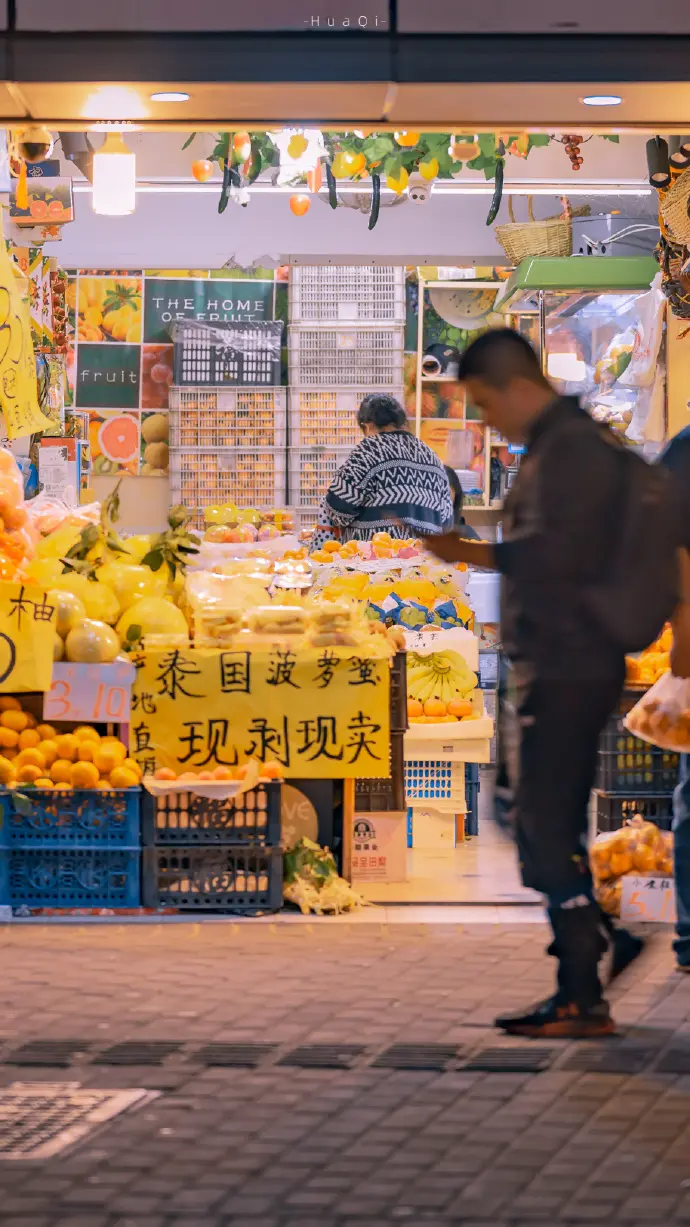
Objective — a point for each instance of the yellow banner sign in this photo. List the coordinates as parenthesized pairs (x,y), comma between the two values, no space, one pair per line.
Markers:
(27,635)
(18,391)
(322,714)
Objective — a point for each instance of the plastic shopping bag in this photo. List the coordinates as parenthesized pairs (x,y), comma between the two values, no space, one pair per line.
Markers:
(662,715)
(638,847)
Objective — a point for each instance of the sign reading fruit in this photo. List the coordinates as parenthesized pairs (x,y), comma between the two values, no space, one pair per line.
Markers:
(108,377)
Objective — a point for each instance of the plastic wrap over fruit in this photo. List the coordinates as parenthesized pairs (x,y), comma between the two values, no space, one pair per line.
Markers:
(662,716)
(637,847)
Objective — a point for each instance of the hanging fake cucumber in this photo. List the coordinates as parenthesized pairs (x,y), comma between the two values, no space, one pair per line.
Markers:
(375,200)
(225,186)
(498,194)
(332,190)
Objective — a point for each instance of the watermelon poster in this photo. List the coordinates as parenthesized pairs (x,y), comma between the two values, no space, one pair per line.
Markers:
(120,363)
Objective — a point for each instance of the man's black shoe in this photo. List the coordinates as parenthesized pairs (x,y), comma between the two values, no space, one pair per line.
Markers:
(557,1019)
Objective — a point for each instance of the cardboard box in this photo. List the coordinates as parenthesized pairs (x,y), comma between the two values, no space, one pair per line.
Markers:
(432,829)
(379,847)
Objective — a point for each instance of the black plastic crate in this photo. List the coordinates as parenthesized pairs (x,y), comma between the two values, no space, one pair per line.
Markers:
(184,818)
(613,810)
(230,355)
(627,764)
(373,796)
(399,721)
(213,878)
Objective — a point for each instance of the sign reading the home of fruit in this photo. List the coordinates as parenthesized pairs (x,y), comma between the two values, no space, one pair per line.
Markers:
(169,301)
(320,714)
(651,899)
(27,636)
(94,693)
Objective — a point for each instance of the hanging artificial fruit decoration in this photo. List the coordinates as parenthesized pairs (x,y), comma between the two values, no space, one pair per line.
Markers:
(297,145)
(407,140)
(202,170)
(397,182)
(299,205)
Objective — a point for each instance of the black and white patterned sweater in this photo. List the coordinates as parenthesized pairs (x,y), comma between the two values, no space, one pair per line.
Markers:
(389,477)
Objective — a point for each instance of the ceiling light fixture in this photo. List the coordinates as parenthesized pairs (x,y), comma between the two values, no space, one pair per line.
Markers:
(170,95)
(602,100)
(114,177)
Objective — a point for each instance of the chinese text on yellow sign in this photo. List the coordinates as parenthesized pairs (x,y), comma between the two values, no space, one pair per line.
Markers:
(27,635)
(321,714)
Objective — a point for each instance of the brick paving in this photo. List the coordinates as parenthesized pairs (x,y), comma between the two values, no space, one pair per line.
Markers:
(361,1146)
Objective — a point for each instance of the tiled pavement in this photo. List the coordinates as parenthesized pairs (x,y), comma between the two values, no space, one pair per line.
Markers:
(361,1146)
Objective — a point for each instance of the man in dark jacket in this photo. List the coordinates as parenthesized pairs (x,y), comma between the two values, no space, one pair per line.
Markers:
(559,536)
(676,459)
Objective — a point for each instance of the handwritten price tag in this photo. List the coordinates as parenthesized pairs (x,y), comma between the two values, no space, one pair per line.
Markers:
(648,899)
(97,693)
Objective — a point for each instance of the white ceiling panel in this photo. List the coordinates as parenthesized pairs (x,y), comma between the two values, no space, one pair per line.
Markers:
(544,17)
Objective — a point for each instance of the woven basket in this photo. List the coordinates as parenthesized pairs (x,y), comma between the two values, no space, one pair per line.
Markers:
(551,237)
(673,206)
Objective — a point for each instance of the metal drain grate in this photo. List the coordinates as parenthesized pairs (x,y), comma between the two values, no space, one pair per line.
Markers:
(511,1060)
(41,1119)
(138,1052)
(58,1054)
(611,1058)
(242,1056)
(417,1056)
(323,1056)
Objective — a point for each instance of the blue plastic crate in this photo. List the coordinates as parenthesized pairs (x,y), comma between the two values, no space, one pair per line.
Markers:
(85,818)
(430,780)
(72,877)
(472,786)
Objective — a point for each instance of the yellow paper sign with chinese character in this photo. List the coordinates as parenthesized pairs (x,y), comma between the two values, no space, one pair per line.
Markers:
(321,714)
(18,389)
(27,636)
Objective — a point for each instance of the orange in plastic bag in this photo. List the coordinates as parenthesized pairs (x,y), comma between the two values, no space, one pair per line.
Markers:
(662,716)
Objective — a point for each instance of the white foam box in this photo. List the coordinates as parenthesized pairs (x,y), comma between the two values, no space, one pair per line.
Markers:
(379,847)
(433,829)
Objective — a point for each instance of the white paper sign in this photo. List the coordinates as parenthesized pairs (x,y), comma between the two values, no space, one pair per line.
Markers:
(651,899)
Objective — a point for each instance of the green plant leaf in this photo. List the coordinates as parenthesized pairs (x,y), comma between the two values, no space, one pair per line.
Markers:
(133,633)
(539,138)
(614,139)
(188,141)
(487,144)
(154,559)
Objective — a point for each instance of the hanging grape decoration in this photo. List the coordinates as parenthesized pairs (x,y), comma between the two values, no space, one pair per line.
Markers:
(572,144)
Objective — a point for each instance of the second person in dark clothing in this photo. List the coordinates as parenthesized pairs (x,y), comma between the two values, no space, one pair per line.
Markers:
(559,538)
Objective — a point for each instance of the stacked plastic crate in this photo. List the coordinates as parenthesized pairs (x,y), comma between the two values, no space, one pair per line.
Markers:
(346,339)
(213,854)
(633,776)
(78,849)
(228,425)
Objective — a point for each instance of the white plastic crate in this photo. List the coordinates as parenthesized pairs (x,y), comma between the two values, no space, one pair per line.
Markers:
(441,784)
(338,292)
(227,417)
(346,357)
(311,472)
(307,517)
(326,417)
(250,478)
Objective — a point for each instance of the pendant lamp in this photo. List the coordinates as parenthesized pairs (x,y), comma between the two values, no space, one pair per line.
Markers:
(114,177)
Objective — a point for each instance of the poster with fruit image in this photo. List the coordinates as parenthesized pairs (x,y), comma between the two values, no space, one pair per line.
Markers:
(108,308)
(50,201)
(115,443)
(156,375)
(155,433)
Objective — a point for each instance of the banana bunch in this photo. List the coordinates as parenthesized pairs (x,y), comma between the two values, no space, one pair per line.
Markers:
(441,675)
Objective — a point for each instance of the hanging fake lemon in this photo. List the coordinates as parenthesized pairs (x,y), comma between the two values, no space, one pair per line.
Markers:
(429,169)
(299,205)
(347,164)
(407,139)
(297,145)
(399,183)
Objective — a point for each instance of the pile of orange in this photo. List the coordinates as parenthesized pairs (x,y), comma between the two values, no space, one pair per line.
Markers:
(267,771)
(33,754)
(436,711)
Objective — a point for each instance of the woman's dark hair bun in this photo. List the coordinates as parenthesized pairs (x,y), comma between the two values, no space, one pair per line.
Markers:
(381,410)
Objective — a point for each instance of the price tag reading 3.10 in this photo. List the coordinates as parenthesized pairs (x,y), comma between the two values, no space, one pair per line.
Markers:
(98,693)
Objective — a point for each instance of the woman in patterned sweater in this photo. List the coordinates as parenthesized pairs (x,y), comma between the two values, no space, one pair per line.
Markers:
(390,482)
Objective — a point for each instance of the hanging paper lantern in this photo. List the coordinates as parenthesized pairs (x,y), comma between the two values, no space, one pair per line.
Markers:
(300,205)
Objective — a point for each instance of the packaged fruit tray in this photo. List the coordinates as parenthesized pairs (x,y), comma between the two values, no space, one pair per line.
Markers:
(327,417)
(227,417)
(311,472)
(78,818)
(70,877)
(186,818)
(251,478)
(346,356)
(331,293)
(218,878)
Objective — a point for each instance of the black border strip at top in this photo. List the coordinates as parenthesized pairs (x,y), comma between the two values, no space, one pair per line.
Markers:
(347,56)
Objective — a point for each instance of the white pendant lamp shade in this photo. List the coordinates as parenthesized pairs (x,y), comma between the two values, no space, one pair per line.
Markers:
(114,177)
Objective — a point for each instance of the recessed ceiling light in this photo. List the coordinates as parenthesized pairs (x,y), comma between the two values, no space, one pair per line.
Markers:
(602,100)
(170,95)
